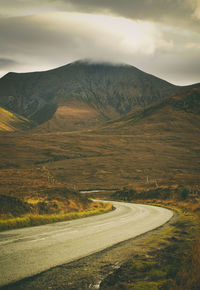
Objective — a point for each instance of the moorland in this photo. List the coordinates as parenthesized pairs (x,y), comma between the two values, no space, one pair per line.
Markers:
(84,127)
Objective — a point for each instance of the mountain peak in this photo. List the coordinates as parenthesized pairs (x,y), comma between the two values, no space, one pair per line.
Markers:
(88,61)
(103,90)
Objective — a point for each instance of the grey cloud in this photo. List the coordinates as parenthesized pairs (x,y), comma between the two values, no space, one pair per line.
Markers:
(175,12)
(42,44)
(25,7)
(7,63)
(28,36)
(180,68)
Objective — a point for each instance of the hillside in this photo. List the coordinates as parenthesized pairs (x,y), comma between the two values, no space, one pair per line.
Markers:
(159,141)
(74,115)
(162,143)
(178,113)
(13,122)
(81,94)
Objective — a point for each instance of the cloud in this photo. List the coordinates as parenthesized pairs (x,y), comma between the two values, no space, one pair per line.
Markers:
(7,63)
(181,13)
(70,35)
(38,40)
(26,7)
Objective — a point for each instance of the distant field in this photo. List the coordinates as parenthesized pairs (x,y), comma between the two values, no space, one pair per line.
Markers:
(159,142)
(31,163)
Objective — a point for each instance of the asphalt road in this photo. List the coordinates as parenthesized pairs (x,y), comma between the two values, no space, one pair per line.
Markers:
(28,251)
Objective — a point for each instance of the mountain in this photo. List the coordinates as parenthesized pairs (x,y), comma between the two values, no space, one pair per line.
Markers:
(160,142)
(179,113)
(13,122)
(81,94)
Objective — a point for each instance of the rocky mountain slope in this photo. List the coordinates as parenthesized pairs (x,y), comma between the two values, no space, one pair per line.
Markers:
(69,93)
(179,112)
(13,122)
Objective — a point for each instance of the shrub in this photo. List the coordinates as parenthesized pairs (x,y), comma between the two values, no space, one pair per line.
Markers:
(184,192)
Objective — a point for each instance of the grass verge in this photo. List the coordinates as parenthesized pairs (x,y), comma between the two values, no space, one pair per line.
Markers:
(30,220)
(168,259)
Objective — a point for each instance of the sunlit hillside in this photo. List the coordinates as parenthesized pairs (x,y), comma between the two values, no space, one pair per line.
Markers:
(12,122)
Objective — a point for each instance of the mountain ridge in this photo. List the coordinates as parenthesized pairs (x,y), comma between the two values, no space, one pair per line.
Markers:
(107,90)
(181,110)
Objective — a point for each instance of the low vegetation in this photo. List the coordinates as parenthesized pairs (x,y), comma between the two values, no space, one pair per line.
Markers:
(34,197)
(40,174)
(172,259)
(28,220)
(175,192)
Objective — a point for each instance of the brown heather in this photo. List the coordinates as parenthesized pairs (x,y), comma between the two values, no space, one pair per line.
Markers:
(155,150)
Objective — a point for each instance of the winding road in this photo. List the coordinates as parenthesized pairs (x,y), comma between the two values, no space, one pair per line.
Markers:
(28,251)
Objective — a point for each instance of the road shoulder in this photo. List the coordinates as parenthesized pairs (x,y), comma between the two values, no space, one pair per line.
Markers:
(91,271)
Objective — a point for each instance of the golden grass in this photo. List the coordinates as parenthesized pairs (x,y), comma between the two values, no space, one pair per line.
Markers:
(168,258)
(102,161)
(188,277)
(12,122)
(70,116)
(36,220)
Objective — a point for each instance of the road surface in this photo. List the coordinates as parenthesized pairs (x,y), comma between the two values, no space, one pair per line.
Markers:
(28,251)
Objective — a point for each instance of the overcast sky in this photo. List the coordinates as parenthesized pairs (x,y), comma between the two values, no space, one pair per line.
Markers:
(161,37)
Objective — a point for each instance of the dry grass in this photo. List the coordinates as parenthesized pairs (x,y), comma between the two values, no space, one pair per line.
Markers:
(12,122)
(168,259)
(158,148)
(99,161)
(159,142)
(70,116)
(35,220)
(189,278)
